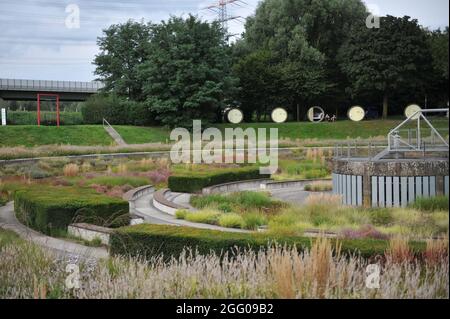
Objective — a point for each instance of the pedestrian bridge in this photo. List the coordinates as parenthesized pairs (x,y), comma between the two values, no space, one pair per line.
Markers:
(16,89)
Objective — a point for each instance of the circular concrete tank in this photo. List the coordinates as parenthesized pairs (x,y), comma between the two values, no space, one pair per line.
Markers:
(389,182)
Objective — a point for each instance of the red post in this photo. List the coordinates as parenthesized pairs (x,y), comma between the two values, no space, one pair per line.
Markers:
(57,110)
(39,109)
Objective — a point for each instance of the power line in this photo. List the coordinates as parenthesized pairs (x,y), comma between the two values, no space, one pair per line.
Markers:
(221,10)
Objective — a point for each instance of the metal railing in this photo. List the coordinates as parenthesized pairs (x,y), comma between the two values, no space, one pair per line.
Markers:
(422,138)
(50,86)
(402,142)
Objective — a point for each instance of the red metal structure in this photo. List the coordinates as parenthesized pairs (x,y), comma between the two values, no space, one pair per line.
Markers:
(39,106)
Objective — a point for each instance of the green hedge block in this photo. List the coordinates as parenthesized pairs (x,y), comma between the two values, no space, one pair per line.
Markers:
(50,209)
(195,183)
(47,118)
(152,240)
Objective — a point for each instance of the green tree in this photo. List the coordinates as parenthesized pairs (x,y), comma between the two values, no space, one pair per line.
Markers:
(303,38)
(187,73)
(386,59)
(258,80)
(438,86)
(122,49)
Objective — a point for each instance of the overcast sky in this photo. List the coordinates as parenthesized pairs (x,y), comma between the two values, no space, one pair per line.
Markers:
(35,42)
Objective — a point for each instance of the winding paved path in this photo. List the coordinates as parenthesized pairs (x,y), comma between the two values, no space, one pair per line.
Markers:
(145,209)
(61,247)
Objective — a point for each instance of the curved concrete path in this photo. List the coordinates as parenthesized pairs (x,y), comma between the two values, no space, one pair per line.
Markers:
(143,207)
(8,221)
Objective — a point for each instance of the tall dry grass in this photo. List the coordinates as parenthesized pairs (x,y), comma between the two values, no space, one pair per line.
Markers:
(278,272)
(122,168)
(321,199)
(399,250)
(437,249)
(71,170)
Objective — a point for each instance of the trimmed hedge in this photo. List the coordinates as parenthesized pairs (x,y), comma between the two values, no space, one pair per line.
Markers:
(152,240)
(196,182)
(47,118)
(51,209)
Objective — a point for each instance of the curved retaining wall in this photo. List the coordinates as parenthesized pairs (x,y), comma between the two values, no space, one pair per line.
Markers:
(234,186)
(163,204)
(262,184)
(292,184)
(389,183)
(134,194)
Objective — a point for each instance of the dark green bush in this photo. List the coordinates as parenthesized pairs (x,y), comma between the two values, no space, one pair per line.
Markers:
(431,204)
(196,182)
(116,111)
(97,107)
(47,118)
(147,240)
(51,209)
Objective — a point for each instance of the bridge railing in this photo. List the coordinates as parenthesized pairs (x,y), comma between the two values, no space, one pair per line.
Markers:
(49,86)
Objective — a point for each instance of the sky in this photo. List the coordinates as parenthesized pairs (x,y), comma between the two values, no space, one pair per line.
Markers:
(40,39)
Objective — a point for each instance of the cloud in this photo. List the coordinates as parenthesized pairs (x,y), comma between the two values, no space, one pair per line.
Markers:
(36,44)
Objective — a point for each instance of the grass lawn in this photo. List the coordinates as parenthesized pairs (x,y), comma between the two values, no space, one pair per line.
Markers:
(32,135)
(339,130)
(142,135)
(84,135)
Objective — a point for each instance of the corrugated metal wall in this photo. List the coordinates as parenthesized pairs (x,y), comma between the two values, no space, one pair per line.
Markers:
(387,191)
(349,187)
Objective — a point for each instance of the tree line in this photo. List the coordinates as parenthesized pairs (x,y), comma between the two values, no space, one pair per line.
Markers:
(294,54)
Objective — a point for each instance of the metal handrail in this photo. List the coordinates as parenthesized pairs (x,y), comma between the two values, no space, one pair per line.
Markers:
(394,138)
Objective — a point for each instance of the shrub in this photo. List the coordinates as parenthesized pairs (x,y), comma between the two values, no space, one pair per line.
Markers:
(381,217)
(147,241)
(254,220)
(181,213)
(50,209)
(431,204)
(71,170)
(193,183)
(319,187)
(47,118)
(203,216)
(111,181)
(116,111)
(231,221)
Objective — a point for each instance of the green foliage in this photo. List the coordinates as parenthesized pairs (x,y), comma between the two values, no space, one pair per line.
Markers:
(294,45)
(231,220)
(181,213)
(431,204)
(381,217)
(387,59)
(186,73)
(123,48)
(47,118)
(258,80)
(195,183)
(111,181)
(51,209)
(438,41)
(203,216)
(152,240)
(245,200)
(178,69)
(253,220)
